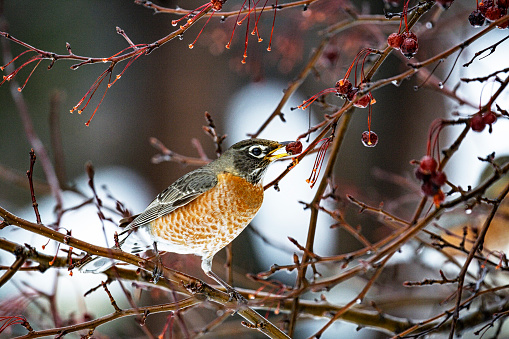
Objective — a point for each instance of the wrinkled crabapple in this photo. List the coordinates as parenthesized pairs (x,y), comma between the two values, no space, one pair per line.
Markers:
(493,13)
(476,18)
(343,86)
(484,5)
(294,147)
(351,94)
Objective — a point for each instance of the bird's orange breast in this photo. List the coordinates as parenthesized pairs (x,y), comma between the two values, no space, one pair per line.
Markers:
(211,221)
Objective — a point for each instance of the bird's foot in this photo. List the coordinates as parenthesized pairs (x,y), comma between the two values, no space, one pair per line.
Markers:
(157,273)
(235,295)
(158,268)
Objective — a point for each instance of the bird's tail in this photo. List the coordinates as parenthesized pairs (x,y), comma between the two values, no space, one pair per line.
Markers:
(96,264)
(131,243)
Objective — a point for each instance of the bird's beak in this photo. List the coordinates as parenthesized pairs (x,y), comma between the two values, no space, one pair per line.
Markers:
(279,152)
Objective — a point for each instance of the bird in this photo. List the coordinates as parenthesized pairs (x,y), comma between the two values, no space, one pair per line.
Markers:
(204,210)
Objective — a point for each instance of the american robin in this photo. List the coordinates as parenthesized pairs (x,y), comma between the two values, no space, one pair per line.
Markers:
(204,210)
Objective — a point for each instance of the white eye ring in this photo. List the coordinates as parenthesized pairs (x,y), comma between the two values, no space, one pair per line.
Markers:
(257,151)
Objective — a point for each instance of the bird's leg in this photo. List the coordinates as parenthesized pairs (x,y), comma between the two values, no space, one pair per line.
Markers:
(206,266)
(230,290)
(158,269)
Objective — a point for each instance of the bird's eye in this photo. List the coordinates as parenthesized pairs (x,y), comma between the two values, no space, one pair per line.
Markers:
(256,151)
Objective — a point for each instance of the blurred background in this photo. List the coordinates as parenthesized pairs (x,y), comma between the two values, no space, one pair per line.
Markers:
(166,93)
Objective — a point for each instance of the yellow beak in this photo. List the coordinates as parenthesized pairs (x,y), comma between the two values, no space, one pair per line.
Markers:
(278,153)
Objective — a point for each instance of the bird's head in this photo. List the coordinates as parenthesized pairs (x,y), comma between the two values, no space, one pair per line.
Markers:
(250,158)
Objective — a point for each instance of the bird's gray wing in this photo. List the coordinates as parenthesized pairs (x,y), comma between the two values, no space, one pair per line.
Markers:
(178,194)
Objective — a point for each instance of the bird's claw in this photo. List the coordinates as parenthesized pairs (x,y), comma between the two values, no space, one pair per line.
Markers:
(157,273)
(234,295)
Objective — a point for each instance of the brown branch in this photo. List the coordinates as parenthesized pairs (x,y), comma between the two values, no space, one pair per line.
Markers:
(169,155)
(401,237)
(30,173)
(30,133)
(20,260)
(358,298)
(294,85)
(477,245)
(181,11)
(112,300)
(92,324)
(180,280)
(460,46)
(492,49)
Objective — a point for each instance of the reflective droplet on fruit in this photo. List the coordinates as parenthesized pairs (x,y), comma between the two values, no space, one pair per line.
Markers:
(369,138)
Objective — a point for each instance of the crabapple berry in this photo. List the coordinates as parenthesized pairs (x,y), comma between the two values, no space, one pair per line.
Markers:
(363,102)
(489,118)
(294,147)
(421,176)
(427,164)
(410,45)
(484,5)
(369,138)
(476,123)
(476,18)
(493,13)
(351,94)
(409,35)
(343,86)
(438,178)
(429,189)
(395,40)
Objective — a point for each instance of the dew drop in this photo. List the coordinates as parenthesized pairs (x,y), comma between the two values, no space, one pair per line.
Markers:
(181,36)
(468,211)
(440,85)
(174,23)
(223,19)
(396,83)
(429,25)
(358,301)
(369,138)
